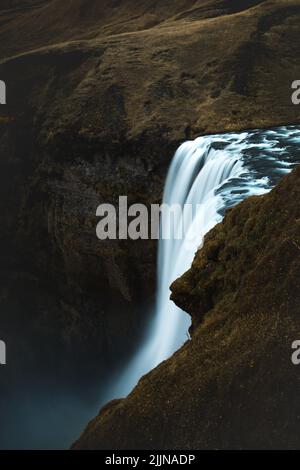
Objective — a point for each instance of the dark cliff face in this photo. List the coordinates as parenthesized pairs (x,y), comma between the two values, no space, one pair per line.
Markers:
(233,385)
(99,95)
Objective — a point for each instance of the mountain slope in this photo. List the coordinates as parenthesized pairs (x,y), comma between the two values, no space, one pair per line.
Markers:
(41,21)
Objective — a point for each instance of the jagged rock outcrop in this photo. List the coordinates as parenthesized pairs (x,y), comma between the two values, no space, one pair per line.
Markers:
(233,385)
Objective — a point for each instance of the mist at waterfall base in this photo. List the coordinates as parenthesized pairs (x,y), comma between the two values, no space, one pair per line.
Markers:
(213,172)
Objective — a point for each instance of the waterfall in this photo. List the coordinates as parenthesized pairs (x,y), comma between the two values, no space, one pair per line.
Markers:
(211,174)
(196,172)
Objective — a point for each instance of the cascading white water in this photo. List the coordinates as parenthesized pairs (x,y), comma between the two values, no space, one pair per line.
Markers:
(219,171)
(210,174)
(196,172)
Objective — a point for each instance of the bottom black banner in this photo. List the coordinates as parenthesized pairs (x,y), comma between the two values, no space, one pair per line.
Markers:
(144,459)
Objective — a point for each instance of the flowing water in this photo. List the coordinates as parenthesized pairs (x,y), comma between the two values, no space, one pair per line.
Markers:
(212,174)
